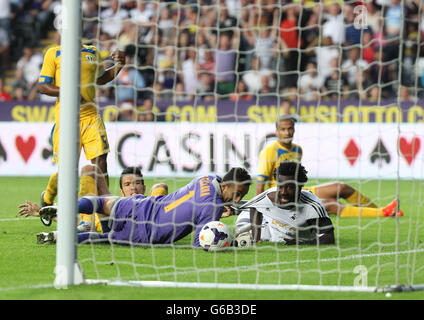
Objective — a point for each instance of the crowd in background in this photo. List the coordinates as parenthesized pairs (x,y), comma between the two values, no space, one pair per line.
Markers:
(232,49)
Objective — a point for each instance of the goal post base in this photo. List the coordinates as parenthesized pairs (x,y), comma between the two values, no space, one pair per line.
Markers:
(62,280)
(294,287)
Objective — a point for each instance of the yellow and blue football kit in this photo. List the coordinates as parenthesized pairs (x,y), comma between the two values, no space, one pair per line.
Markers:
(93,136)
(270,159)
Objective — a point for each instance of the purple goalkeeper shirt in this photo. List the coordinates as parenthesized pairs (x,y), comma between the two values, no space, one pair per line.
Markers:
(166,219)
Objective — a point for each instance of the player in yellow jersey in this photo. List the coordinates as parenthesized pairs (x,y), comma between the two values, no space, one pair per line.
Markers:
(285,150)
(93,137)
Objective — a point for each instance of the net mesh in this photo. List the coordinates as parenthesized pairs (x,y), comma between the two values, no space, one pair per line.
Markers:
(203,86)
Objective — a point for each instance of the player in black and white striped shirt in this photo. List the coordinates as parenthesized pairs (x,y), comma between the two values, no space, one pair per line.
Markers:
(286,213)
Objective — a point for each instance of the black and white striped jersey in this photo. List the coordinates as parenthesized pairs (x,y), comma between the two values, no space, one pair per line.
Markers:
(292,222)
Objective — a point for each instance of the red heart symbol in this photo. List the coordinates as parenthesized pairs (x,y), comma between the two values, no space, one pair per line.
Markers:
(25,148)
(409,150)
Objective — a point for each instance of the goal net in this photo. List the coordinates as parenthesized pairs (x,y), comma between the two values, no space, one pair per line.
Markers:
(201,92)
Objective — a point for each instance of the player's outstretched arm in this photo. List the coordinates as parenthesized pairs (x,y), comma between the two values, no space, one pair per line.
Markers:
(49,89)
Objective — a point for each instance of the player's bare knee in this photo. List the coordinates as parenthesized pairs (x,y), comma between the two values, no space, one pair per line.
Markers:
(345,190)
(91,170)
(101,163)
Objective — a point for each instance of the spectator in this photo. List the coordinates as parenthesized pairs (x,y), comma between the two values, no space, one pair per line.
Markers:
(128,34)
(310,83)
(290,47)
(5,13)
(353,32)
(28,70)
(90,13)
(180,94)
(225,62)
(367,46)
(379,73)
(226,22)
(264,41)
(142,18)
(335,86)
(285,107)
(166,25)
(19,93)
(256,78)
(334,25)
(184,42)
(128,83)
(405,94)
(41,15)
(208,64)
(373,16)
(352,65)
(4,95)
(4,51)
(393,19)
(189,73)
(392,26)
(166,67)
(111,19)
(143,13)
(146,113)
(241,93)
(126,111)
(326,53)
(206,87)
(189,23)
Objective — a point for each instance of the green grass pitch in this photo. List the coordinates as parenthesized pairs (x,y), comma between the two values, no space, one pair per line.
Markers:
(27,268)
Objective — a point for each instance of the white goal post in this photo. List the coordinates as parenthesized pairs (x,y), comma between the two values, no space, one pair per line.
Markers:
(67,270)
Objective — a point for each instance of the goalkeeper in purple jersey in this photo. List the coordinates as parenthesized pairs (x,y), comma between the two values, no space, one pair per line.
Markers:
(164,219)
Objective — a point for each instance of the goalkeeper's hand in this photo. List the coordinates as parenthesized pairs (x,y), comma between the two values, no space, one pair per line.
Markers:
(243,240)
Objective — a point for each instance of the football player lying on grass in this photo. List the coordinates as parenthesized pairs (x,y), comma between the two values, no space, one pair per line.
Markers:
(163,219)
(285,213)
(131,183)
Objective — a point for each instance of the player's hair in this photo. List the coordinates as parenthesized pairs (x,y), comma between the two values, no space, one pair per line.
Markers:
(237,174)
(283,117)
(293,168)
(131,170)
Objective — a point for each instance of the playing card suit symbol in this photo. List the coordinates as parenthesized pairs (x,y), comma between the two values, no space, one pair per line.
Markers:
(409,150)
(25,148)
(380,154)
(352,152)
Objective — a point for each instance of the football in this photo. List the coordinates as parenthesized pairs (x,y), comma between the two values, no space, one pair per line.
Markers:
(215,236)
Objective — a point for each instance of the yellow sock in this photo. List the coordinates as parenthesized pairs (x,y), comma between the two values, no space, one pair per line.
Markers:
(364,212)
(51,190)
(360,200)
(87,186)
(94,218)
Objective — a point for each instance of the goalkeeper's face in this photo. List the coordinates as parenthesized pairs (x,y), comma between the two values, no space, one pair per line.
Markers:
(233,192)
(285,132)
